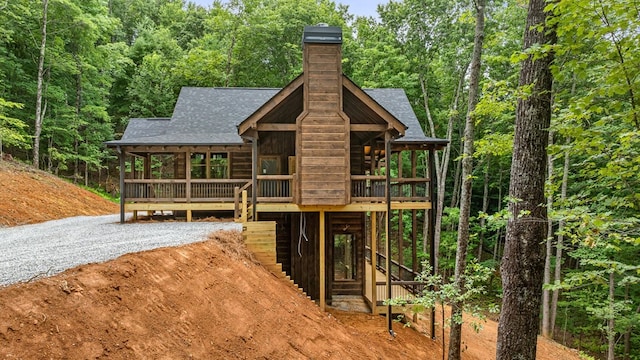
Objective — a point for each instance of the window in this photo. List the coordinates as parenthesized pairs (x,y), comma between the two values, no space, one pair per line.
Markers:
(209,165)
(270,165)
(218,166)
(198,166)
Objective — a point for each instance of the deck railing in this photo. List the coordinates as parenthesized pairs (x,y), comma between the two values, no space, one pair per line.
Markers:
(271,188)
(403,283)
(399,271)
(405,290)
(367,188)
(181,190)
(275,188)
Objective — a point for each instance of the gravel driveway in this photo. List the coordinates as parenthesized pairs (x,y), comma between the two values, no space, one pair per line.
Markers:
(48,248)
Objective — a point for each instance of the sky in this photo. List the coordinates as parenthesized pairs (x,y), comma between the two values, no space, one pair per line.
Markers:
(356,7)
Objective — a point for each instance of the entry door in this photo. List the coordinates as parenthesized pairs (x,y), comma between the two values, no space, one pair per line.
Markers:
(344,257)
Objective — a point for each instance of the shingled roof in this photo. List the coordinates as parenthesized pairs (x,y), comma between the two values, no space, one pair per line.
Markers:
(210,116)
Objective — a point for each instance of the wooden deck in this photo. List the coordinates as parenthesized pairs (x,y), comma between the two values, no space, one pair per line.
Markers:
(274,194)
(270,188)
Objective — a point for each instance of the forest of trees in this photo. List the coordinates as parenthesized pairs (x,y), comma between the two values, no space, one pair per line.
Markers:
(72,72)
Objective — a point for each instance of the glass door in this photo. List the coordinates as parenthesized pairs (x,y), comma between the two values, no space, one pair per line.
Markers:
(344,257)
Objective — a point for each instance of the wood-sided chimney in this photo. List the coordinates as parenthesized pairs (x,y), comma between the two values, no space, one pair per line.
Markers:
(322,67)
(322,139)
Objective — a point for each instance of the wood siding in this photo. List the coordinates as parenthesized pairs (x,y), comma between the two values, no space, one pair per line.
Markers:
(357,160)
(323,130)
(305,263)
(241,163)
(180,165)
(278,144)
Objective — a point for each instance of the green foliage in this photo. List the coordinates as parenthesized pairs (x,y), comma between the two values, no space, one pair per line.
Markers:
(437,291)
(12,129)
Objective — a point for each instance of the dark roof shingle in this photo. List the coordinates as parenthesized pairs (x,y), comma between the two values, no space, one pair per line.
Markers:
(209,116)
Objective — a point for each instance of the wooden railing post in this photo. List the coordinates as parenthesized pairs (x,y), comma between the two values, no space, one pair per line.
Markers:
(236,203)
(244,217)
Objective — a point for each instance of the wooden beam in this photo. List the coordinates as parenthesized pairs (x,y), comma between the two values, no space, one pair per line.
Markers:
(147,167)
(354,207)
(276,127)
(207,166)
(254,177)
(122,185)
(188,175)
(178,206)
(374,260)
(418,205)
(322,230)
(387,163)
(275,207)
(140,150)
(379,128)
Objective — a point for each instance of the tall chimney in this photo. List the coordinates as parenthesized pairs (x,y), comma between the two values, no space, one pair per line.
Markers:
(323,140)
(322,67)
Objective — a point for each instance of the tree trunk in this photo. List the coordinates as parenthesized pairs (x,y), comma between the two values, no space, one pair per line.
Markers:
(496,247)
(485,206)
(229,68)
(546,298)
(523,261)
(76,136)
(627,334)
(442,167)
(455,192)
(39,115)
(560,243)
(611,323)
(455,335)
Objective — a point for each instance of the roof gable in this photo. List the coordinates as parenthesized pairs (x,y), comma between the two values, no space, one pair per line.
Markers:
(393,123)
(251,121)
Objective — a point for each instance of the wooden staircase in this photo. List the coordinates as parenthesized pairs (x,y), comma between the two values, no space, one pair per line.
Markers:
(347,287)
(260,238)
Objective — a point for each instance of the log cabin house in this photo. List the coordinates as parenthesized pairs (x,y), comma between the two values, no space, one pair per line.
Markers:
(332,165)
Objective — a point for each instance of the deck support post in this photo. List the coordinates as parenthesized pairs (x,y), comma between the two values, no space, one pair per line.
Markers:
(254,177)
(236,203)
(244,216)
(122,190)
(374,261)
(188,184)
(323,300)
(387,166)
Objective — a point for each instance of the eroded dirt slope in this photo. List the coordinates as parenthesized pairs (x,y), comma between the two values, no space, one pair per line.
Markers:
(205,301)
(30,196)
(197,301)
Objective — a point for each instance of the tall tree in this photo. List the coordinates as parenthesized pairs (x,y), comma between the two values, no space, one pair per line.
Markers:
(523,262)
(546,293)
(455,336)
(40,78)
